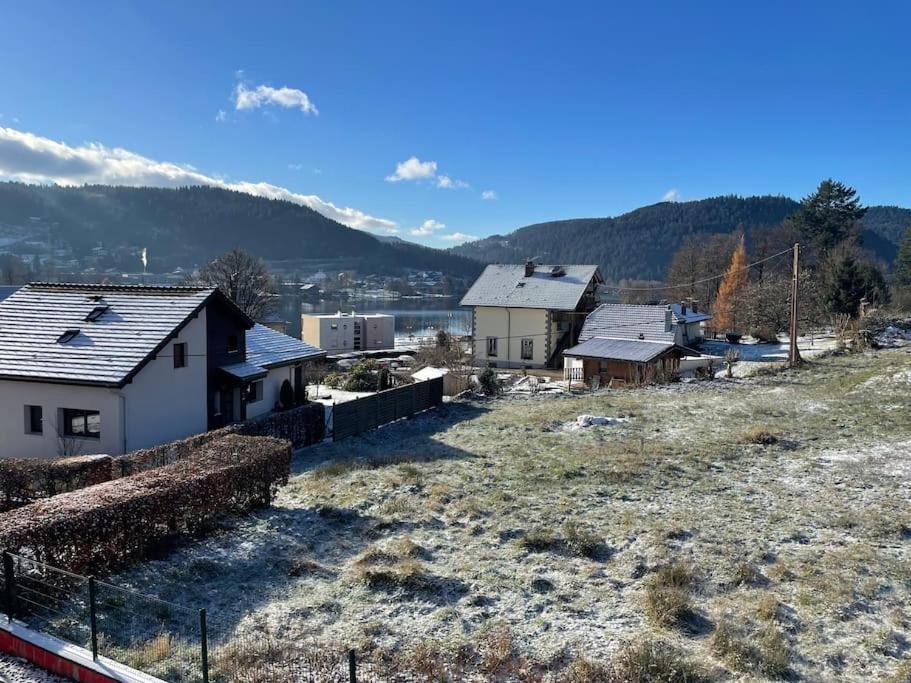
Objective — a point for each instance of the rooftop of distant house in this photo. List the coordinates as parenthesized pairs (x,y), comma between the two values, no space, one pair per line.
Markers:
(554,287)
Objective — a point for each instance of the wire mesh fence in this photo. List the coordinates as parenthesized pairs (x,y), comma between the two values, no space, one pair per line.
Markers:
(182,645)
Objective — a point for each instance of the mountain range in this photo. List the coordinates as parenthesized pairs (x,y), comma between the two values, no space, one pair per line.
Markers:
(640,244)
(188,226)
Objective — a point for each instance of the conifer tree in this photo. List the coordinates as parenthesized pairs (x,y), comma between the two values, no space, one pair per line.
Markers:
(728,314)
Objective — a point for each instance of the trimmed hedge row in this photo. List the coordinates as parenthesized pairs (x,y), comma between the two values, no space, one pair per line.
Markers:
(107,525)
(302,426)
(22,481)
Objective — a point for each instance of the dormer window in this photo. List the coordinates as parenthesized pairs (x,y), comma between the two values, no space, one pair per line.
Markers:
(67,336)
(96,313)
(233,346)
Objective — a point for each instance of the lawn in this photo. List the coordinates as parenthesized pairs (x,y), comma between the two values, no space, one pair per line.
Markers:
(760,528)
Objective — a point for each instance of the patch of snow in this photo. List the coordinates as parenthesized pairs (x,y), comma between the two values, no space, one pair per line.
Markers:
(585,421)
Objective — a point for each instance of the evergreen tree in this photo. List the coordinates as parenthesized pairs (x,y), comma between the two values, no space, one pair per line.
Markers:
(903,262)
(846,288)
(828,216)
(728,314)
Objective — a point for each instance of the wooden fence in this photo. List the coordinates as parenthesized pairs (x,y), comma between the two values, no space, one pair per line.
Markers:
(363,414)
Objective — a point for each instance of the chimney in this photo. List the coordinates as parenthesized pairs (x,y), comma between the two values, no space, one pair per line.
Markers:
(682,308)
(694,305)
(529,268)
(668,318)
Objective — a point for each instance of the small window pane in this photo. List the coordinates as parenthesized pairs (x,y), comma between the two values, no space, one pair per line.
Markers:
(82,423)
(34,419)
(180,355)
(254,392)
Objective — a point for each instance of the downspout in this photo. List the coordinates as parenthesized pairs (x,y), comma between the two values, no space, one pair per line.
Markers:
(123,422)
(508,336)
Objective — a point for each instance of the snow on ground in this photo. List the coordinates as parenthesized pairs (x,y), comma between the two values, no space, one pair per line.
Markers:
(786,494)
(15,670)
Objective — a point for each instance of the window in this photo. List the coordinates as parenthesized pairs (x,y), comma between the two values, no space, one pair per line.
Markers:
(180,355)
(528,349)
(491,346)
(34,420)
(254,392)
(96,313)
(85,424)
(233,346)
(333,326)
(67,336)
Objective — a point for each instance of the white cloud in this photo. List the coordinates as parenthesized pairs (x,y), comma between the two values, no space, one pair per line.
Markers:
(458,237)
(489,195)
(221,116)
(427,228)
(261,95)
(31,158)
(445,182)
(672,195)
(295,167)
(413,169)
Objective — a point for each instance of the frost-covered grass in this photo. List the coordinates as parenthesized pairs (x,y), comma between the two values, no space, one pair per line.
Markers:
(758,527)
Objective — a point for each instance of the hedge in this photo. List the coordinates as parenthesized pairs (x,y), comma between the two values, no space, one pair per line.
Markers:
(110,524)
(22,481)
(302,426)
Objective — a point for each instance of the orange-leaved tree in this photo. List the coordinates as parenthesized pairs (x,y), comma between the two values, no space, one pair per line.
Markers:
(729,306)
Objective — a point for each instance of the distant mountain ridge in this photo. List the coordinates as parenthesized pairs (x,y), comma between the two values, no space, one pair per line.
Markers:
(639,244)
(190,225)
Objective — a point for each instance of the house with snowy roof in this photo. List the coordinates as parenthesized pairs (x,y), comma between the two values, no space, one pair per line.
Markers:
(633,343)
(88,368)
(525,315)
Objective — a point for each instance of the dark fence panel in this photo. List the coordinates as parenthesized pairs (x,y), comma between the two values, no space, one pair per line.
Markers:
(363,414)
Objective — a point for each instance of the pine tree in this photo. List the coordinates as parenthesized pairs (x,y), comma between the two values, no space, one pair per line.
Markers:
(846,288)
(903,262)
(829,215)
(728,314)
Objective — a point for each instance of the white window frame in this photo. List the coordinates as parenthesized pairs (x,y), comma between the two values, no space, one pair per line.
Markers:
(492,347)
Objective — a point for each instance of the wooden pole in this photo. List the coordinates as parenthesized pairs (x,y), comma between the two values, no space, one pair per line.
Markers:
(793,352)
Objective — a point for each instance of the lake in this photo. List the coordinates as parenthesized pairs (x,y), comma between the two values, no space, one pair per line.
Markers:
(418,317)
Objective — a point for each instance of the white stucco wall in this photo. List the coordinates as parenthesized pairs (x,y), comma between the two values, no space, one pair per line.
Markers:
(16,443)
(510,326)
(317,331)
(164,403)
(272,385)
(378,332)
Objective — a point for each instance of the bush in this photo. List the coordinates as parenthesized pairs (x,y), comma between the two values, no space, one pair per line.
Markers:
(758,435)
(22,481)
(488,382)
(110,524)
(581,542)
(766,335)
(653,661)
(286,395)
(362,376)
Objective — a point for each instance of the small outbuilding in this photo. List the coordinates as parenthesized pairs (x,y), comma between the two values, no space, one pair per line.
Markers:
(624,361)
(452,383)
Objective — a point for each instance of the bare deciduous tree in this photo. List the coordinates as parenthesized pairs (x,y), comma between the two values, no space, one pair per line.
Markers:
(244,278)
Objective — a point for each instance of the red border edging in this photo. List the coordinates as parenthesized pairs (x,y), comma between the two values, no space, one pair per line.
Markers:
(50,661)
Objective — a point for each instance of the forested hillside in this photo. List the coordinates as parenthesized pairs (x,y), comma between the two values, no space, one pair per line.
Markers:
(188,226)
(639,244)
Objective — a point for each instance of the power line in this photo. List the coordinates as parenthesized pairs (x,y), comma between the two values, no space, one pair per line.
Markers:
(699,282)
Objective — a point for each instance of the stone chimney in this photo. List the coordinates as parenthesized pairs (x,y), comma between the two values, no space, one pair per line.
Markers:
(529,268)
(683,308)
(668,318)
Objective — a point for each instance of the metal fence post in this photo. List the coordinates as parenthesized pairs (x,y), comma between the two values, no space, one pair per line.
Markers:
(93,620)
(352,667)
(9,580)
(204,643)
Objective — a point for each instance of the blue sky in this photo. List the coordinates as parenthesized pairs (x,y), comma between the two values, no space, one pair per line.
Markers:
(561,109)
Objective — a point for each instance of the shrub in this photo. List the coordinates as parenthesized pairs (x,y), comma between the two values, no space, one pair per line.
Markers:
(488,382)
(362,376)
(653,661)
(22,481)
(581,542)
(758,435)
(109,524)
(538,540)
(766,335)
(286,395)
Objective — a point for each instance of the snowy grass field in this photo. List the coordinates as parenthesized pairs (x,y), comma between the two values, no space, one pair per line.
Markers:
(760,527)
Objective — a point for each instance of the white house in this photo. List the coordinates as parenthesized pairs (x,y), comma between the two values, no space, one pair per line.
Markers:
(344,332)
(525,315)
(112,368)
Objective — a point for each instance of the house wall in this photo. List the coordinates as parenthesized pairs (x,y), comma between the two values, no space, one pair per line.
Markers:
(272,385)
(378,332)
(510,326)
(164,403)
(317,331)
(690,333)
(16,443)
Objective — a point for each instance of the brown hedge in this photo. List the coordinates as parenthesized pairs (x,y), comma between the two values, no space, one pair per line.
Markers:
(22,481)
(107,525)
(302,426)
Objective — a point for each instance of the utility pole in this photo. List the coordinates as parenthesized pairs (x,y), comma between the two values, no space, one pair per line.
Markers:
(793,353)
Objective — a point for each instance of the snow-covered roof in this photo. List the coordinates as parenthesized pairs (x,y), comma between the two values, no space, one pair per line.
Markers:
(506,285)
(93,334)
(690,316)
(629,321)
(429,373)
(269,348)
(631,350)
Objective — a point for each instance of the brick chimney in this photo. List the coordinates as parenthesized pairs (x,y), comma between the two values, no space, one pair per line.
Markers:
(529,268)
